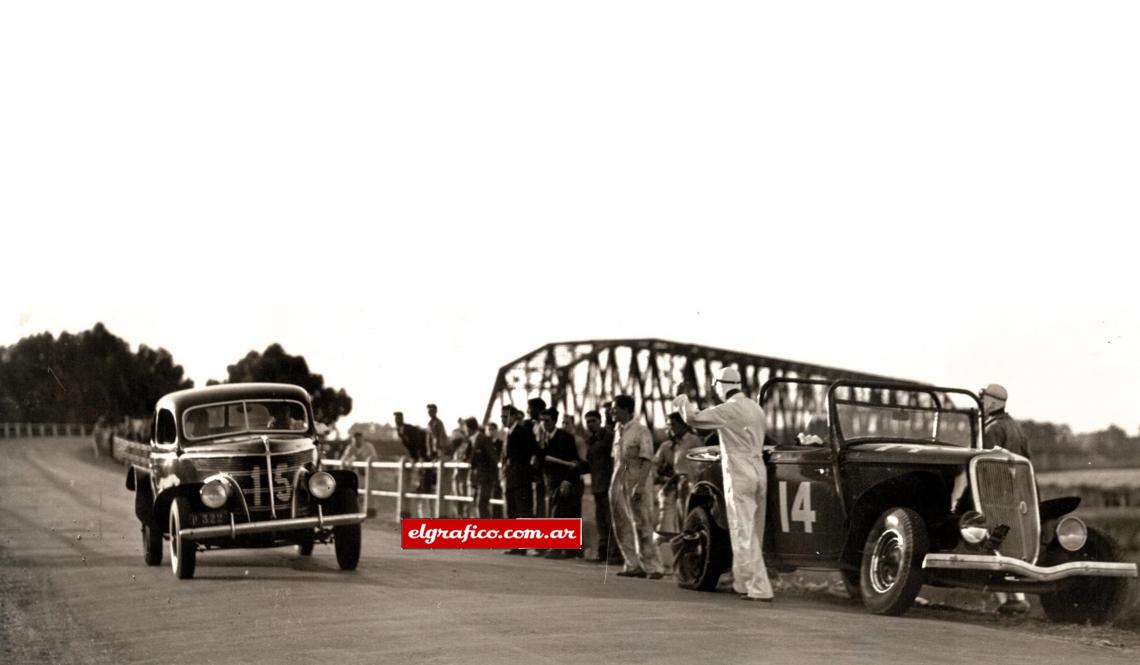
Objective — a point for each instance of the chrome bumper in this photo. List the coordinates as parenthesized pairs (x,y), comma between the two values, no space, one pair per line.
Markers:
(233,530)
(1004,564)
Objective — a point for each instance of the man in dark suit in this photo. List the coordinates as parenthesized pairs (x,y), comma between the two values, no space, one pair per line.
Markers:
(517,471)
(562,469)
(484,471)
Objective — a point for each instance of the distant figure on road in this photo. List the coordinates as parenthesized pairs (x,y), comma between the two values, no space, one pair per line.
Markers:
(599,456)
(518,473)
(1002,431)
(673,468)
(484,468)
(534,409)
(631,493)
(741,424)
(359,450)
(562,469)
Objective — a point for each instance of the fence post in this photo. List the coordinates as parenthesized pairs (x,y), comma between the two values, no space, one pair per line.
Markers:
(439,487)
(42,429)
(400,489)
(54,429)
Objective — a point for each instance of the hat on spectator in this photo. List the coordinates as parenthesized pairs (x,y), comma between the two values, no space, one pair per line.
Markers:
(728,375)
(996,391)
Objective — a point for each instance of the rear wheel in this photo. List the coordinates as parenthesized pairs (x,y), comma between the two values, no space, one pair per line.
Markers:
(704,552)
(346,537)
(891,572)
(1095,600)
(183,551)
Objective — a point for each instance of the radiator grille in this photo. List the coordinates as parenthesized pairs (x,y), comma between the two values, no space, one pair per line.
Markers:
(1007,494)
(250,473)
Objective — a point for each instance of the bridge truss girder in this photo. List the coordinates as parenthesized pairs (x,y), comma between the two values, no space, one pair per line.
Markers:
(578,376)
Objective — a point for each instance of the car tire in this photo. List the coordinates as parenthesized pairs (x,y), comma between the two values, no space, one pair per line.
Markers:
(347,537)
(704,554)
(152,544)
(1093,600)
(891,574)
(183,551)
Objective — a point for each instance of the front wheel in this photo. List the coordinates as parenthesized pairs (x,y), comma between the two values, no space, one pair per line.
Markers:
(152,544)
(704,552)
(183,551)
(890,575)
(346,538)
(1095,600)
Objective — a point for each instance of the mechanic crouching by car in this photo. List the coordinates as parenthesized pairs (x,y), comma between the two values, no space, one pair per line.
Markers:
(741,424)
(1002,431)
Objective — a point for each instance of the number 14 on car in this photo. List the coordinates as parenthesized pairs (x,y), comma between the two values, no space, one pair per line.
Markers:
(801,507)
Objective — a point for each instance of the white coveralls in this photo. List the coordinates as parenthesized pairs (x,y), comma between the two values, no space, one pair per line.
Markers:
(631,498)
(741,424)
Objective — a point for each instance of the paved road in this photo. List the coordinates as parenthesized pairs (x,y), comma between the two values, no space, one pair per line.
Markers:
(74,589)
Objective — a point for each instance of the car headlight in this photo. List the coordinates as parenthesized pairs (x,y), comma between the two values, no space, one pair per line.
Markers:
(215,493)
(972,526)
(322,485)
(1072,533)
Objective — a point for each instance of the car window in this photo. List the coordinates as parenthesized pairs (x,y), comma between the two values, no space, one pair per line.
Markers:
(164,430)
(260,416)
(862,421)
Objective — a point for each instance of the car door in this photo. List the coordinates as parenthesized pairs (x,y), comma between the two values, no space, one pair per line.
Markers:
(805,514)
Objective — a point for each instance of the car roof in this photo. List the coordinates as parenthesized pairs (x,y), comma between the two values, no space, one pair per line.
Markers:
(228,392)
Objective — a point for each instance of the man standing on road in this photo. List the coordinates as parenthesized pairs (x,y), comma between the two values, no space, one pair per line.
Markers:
(484,471)
(631,493)
(517,470)
(562,469)
(1002,431)
(534,408)
(741,425)
(600,457)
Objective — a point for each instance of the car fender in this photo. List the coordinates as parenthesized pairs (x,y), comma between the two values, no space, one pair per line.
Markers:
(166,497)
(922,491)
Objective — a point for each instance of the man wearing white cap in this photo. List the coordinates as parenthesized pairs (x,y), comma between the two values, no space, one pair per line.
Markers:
(741,425)
(1002,431)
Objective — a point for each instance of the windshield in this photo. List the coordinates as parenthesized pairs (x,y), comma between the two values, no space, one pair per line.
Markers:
(260,416)
(862,421)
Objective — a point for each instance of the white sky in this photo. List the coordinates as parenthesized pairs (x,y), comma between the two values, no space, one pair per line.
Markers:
(412,194)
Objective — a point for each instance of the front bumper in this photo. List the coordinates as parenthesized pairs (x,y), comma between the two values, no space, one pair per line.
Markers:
(233,530)
(1004,564)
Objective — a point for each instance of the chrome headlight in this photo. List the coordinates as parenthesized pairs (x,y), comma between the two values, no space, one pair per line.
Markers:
(215,493)
(322,485)
(972,526)
(1072,533)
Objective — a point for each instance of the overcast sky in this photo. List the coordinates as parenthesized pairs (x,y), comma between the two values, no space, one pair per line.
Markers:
(412,194)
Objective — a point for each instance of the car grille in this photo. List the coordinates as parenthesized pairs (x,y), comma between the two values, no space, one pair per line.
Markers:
(1007,494)
(250,473)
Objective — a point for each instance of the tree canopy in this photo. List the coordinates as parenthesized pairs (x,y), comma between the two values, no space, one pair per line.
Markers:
(77,378)
(276,366)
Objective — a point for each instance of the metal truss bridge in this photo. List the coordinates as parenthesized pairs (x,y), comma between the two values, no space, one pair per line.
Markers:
(576,377)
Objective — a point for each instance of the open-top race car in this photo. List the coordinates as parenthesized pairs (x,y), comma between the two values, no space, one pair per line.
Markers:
(238,466)
(891,485)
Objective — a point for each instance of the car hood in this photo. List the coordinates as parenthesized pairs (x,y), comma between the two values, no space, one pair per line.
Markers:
(911,453)
(249,445)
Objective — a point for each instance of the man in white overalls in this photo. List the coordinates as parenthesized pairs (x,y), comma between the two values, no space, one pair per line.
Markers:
(741,424)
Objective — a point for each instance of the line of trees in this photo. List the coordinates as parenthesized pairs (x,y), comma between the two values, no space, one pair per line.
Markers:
(1055,447)
(76,378)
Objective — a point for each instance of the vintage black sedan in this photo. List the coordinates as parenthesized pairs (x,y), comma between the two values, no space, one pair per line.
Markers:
(892,486)
(237,466)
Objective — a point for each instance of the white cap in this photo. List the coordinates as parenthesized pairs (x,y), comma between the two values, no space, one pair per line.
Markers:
(728,375)
(996,391)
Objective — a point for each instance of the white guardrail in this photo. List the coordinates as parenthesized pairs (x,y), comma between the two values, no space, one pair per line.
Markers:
(133,452)
(24,430)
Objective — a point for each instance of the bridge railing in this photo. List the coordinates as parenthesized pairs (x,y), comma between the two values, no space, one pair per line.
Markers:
(29,430)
